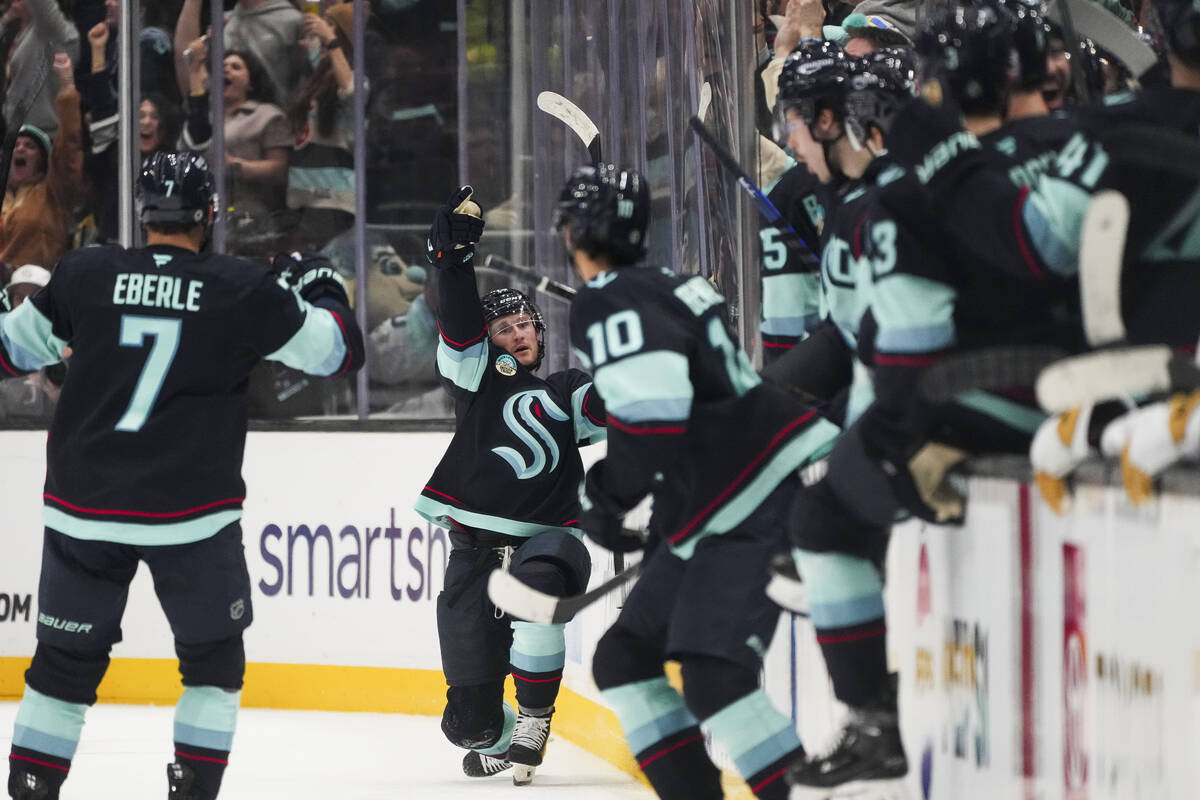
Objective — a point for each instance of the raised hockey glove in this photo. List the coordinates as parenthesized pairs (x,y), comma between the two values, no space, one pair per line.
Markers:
(457,226)
(311,276)
(1155,437)
(602,518)
(1059,446)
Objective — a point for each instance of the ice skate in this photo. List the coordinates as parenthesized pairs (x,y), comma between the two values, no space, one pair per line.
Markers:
(528,745)
(866,761)
(25,786)
(181,783)
(477,765)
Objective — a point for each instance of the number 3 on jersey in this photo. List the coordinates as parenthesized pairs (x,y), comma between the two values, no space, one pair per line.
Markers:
(164,334)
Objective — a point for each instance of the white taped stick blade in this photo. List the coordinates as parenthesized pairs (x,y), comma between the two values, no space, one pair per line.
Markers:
(573,117)
(520,600)
(705,101)
(1102,376)
(1101,255)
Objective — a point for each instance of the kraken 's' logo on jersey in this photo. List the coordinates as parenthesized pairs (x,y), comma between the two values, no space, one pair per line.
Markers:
(521,419)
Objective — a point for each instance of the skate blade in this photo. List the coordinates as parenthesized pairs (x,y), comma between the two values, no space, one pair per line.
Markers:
(523,774)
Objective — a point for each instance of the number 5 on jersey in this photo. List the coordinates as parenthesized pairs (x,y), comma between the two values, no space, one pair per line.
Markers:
(164,334)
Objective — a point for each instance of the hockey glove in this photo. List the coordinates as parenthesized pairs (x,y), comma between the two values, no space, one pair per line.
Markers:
(922,483)
(1059,446)
(457,226)
(1153,438)
(603,519)
(311,276)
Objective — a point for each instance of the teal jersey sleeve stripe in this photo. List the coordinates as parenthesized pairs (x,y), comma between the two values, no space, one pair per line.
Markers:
(318,348)
(28,336)
(585,429)
(920,339)
(647,386)
(440,513)
(1005,411)
(132,533)
(1053,216)
(463,368)
(913,309)
(790,326)
(792,295)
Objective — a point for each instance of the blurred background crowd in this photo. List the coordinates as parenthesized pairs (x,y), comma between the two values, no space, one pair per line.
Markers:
(447,91)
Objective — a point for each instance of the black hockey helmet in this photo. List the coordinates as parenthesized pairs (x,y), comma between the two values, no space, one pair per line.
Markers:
(1031,41)
(881,83)
(176,187)
(507,301)
(968,47)
(815,75)
(606,211)
(1179,24)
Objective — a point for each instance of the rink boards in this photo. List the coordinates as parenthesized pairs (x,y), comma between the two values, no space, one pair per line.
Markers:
(1041,657)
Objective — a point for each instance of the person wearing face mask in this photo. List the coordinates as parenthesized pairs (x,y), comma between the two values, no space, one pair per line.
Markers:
(43,179)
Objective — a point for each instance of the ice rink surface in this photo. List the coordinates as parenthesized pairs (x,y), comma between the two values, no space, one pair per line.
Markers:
(315,755)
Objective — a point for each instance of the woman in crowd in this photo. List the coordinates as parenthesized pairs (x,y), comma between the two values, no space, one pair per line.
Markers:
(321,175)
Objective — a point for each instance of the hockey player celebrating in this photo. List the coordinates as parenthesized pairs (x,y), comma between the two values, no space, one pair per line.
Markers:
(144,459)
(507,490)
(675,385)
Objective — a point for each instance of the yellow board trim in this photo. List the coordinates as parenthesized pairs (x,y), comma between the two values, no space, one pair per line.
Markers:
(314,687)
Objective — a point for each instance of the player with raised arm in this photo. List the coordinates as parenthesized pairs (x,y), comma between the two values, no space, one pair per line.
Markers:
(675,386)
(144,461)
(507,490)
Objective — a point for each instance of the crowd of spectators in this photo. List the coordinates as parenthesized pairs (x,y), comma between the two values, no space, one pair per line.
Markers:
(287,87)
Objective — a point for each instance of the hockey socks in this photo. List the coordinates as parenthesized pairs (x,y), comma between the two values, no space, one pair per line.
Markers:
(205,719)
(666,740)
(500,748)
(536,659)
(45,737)
(845,597)
(760,740)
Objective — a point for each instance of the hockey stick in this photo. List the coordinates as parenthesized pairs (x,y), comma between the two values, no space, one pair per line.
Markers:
(528,604)
(1116,372)
(705,102)
(761,201)
(559,291)
(986,369)
(573,117)
(1105,29)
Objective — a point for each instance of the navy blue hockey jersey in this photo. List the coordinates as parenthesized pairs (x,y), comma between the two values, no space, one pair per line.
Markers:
(689,420)
(147,440)
(513,466)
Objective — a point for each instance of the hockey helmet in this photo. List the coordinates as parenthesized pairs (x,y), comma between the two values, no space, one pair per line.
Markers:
(505,302)
(968,46)
(881,83)
(1031,40)
(1179,24)
(176,188)
(815,75)
(606,211)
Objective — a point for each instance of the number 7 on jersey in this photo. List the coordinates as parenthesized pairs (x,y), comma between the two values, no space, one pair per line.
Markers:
(164,333)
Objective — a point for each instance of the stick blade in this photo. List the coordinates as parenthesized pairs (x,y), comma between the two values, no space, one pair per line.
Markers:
(521,601)
(705,101)
(1101,256)
(1104,375)
(573,117)
(986,369)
